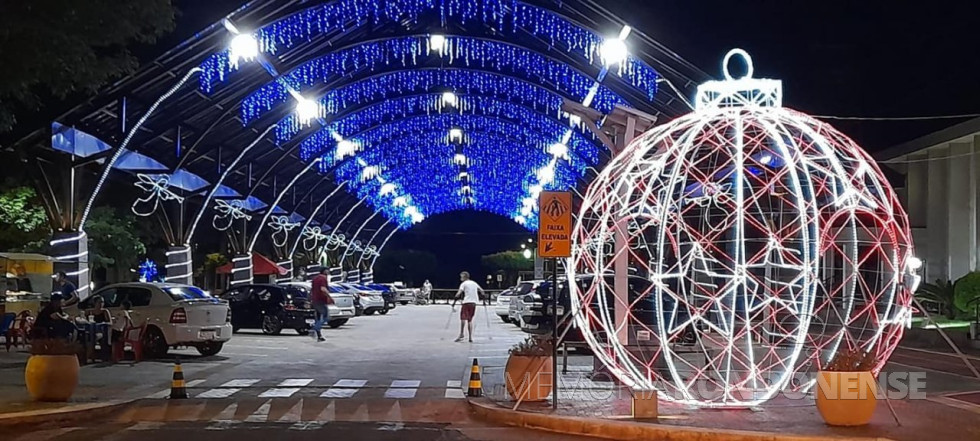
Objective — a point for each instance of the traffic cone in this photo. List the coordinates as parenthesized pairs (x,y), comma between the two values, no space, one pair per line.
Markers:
(178,389)
(476,386)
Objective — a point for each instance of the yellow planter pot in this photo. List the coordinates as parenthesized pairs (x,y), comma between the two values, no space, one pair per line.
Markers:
(528,377)
(846,398)
(51,377)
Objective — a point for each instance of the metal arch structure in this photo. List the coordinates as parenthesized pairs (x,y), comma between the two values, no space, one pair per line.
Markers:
(470,31)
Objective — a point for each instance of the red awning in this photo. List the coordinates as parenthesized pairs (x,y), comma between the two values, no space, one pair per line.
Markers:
(261,266)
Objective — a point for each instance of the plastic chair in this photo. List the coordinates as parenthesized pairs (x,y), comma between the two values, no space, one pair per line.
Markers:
(8,319)
(133,336)
(20,329)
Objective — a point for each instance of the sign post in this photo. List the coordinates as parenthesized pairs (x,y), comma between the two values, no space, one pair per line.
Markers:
(554,241)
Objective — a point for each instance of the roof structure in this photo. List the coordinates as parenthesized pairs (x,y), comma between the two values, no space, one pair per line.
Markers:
(409,108)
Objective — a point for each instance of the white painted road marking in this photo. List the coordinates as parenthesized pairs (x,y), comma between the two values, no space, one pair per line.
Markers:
(400,393)
(279,392)
(296,382)
(166,392)
(218,393)
(339,393)
(241,383)
(405,383)
(350,383)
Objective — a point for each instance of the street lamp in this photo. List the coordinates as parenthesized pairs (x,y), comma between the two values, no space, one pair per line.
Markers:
(527,254)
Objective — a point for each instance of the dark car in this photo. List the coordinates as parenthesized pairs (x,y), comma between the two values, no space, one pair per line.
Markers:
(643,308)
(388,292)
(270,308)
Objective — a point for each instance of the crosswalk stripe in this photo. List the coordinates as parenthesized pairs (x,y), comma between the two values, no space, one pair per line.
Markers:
(400,393)
(350,383)
(218,393)
(339,393)
(228,413)
(307,425)
(455,393)
(261,414)
(241,383)
(279,392)
(296,382)
(454,384)
(405,383)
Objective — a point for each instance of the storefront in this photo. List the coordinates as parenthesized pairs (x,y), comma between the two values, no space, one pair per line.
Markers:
(25,281)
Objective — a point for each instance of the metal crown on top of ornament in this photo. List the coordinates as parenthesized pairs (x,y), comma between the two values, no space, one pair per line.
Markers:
(760,241)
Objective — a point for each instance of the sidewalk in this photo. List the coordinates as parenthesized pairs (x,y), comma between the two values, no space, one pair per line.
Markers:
(100,386)
(943,415)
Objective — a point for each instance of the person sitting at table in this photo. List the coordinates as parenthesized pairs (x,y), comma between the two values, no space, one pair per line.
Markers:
(53,322)
(98,312)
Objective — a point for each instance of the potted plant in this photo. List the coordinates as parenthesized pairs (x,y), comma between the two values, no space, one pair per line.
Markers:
(846,388)
(52,369)
(528,374)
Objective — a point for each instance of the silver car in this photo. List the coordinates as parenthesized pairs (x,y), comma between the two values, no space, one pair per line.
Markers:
(372,301)
(342,308)
(507,306)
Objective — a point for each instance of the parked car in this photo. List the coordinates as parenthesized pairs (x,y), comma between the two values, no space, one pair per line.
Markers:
(406,295)
(269,308)
(387,292)
(371,300)
(342,309)
(503,305)
(175,315)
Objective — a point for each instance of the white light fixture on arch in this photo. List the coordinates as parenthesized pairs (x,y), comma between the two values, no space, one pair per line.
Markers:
(546,174)
(460,159)
(400,201)
(307,110)
(558,150)
(345,148)
(614,50)
(450,99)
(438,43)
(536,190)
(455,134)
(387,188)
(520,219)
(243,47)
(370,172)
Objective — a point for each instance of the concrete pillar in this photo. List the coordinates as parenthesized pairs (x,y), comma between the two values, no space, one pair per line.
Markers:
(180,267)
(70,253)
(976,200)
(241,271)
(917,189)
(354,276)
(288,265)
(962,217)
(937,212)
(336,275)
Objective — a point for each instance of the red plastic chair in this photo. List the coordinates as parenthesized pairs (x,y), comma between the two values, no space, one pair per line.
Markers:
(20,330)
(132,336)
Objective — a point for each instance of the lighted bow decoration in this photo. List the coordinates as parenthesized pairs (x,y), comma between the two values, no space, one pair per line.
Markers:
(312,236)
(355,247)
(230,211)
(281,226)
(369,252)
(157,189)
(335,241)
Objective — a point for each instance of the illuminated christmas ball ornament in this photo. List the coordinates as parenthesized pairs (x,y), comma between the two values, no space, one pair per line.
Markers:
(753,241)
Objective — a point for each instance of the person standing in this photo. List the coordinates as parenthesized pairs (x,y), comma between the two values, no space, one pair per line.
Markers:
(470,293)
(69,292)
(320,298)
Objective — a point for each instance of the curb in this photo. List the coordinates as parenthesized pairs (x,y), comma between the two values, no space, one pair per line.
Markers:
(62,414)
(626,430)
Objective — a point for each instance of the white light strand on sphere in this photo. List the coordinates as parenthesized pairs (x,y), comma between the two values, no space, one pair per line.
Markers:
(762,240)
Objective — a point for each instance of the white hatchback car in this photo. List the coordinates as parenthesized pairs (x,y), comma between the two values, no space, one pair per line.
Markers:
(176,315)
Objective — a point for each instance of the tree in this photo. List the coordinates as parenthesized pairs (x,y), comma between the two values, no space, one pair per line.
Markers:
(967,292)
(942,293)
(56,48)
(508,261)
(113,241)
(23,222)
(409,266)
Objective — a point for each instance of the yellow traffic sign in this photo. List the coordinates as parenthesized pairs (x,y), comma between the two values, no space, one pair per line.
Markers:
(555,224)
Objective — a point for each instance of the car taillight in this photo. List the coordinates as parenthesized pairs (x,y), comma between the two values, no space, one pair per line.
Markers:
(178,316)
(365,294)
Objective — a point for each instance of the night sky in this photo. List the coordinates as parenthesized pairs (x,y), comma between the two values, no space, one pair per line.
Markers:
(847,58)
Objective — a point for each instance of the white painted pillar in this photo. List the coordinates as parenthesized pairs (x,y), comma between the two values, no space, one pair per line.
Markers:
(962,217)
(937,221)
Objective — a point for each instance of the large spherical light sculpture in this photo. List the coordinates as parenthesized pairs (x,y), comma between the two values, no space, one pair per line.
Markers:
(761,241)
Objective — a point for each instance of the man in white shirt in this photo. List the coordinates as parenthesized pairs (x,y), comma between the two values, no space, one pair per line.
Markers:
(470,293)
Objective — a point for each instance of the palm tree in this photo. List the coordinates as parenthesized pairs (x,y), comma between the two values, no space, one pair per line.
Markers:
(942,293)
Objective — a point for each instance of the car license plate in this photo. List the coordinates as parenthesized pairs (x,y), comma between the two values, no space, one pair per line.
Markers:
(206,335)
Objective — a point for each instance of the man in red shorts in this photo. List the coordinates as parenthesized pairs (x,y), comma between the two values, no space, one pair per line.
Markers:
(470,293)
